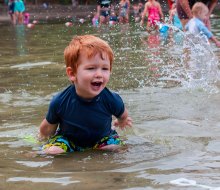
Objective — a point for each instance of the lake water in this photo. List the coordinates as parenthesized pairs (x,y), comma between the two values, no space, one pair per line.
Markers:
(170,85)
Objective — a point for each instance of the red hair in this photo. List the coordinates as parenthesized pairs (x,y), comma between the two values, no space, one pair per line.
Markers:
(90,44)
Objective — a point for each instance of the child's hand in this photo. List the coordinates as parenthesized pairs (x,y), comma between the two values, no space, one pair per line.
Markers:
(141,23)
(122,123)
(218,43)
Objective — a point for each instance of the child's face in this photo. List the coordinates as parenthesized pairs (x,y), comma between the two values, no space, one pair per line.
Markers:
(92,75)
(203,14)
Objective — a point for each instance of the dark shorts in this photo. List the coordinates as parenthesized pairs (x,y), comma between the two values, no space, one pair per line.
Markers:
(105,13)
(69,146)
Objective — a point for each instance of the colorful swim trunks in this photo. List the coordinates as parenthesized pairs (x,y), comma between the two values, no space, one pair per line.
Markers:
(69,146)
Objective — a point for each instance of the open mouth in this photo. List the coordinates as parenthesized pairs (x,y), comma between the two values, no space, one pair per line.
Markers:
(97,84)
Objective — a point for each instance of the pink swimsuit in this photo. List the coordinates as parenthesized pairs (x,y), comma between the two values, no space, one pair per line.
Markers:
(153,15)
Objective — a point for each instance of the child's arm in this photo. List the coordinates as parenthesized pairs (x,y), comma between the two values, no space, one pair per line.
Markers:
(211,6)
(144,13)
(129,6)
(46,130)
(123,121)
(209,34)
(120,7)
(186,7)
(217,43)
(171,14)
(98,10)
(161,13)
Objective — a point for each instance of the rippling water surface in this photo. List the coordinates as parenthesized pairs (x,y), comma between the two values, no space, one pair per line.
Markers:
(170,84)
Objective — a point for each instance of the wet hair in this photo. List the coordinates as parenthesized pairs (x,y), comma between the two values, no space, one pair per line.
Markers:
(198,8)
(89,44)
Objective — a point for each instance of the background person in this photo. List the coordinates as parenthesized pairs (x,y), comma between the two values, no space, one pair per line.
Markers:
(103,11)
(124,9)
(173,17)
(196,26)
(184,10)
(11,11)
(155,15)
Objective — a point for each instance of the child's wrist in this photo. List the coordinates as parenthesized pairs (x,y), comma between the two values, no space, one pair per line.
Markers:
(41,138)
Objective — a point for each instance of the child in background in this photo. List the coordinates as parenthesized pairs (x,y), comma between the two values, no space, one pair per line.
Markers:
(103,11)
(80,117)
(95,20)
(173,18)
(155,15)
(196,24)
(26,18)
(124,9)
(138,9)
(19,9)
(113,20)
(11,11)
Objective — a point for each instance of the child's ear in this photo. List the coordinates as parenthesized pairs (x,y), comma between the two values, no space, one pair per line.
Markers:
(70,74)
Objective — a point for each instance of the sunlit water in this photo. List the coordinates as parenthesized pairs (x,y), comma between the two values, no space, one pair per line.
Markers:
(170,84)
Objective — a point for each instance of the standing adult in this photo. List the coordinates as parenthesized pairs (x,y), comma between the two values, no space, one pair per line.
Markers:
(103,11)
(185,13)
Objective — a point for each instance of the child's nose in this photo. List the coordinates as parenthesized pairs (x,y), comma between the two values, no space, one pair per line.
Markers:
(98,73)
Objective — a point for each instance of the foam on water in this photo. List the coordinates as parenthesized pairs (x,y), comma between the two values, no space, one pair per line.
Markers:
(30,65)
(186,182)
(61,180)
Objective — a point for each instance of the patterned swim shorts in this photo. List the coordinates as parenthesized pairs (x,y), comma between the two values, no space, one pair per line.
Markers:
(69,146)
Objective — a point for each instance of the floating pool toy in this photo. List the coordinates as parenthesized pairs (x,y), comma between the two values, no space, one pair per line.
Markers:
(188,182)
(26,18)
(81,20)
(163,28)
(30,25)
(30,139)
(68,24)
(35,22)
(137,19)
(112,22)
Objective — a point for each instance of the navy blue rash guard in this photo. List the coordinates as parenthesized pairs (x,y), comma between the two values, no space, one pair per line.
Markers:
(81,121)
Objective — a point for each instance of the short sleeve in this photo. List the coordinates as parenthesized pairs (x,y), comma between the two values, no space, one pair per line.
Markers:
(115,104)
(52,114)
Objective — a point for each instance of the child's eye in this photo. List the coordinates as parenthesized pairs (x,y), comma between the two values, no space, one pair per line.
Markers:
(106,69)
(90,68)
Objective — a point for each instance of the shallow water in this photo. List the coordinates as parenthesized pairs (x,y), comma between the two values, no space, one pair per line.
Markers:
(171,89)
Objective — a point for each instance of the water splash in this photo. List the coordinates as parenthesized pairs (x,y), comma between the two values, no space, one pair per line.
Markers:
(187,60)
(200,63)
